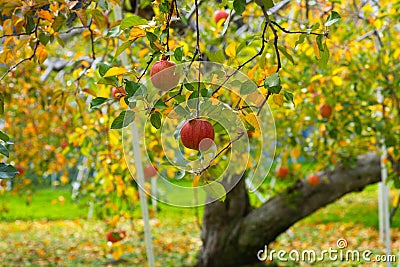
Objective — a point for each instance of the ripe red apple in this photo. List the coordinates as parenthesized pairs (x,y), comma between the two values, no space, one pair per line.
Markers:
(194,131)
(325,110)
(220,14)
(150,171)
(20,169)
(118,92)
(64,144)
(313,179)
(116,235)
(282,172)
(163,75)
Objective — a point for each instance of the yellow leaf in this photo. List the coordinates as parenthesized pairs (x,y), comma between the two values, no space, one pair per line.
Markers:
(278,99)
(82,16)
(41,54)
(114,71)
(252,120)
(296,152)
(196,180)
(231,50)
(337,80)
(44,14)
(136,33)
(396,200)
(123,103)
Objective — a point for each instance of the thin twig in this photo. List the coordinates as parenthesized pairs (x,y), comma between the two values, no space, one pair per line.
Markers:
(296,32)
(220,152)
(259,53)
(28,58)
(198,50)
(147,67)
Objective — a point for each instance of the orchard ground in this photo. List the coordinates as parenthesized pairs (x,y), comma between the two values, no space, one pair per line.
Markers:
(53,231)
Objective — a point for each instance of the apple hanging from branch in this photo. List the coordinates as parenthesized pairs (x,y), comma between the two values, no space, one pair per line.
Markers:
(195,131)
(163,75)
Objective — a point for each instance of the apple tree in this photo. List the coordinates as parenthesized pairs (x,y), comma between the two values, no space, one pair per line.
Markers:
(327,70)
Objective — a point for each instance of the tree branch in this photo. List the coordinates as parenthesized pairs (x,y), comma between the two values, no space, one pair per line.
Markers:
(28,58)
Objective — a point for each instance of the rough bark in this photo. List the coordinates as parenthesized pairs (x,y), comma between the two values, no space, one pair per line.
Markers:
(232,233)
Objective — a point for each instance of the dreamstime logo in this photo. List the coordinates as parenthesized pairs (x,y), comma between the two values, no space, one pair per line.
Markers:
(331,254)
(230,155)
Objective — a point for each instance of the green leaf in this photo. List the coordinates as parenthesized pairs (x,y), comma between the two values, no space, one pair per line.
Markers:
(125,118)
(7,171)
(30,24)
(181,111)
(151,37)
(178,54)
(114,32)
(189,86)
(164,7)
(285,53)
(215,171)
(155,119)
(160,104)
(1,104)
(44,37)
(103,4)
(273,83)
(319,42)
(122,48)
(215,190)
(248,87)
(4,151)
(266,3)
(288,96)
(332,19)
(132,88)
(108,80)
(324,56)
(301,39)
(239,6)
(59,21)
(217,56)
(132,21)
(103,68)
(97,101)
(4,136)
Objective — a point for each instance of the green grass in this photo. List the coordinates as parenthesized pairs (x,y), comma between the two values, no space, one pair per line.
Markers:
(46,203)
(360,207)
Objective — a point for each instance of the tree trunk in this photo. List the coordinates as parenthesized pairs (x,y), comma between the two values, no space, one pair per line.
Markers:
(232,233)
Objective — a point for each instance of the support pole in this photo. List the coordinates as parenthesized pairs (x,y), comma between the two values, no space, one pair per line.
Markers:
(139,169)
(142,195)
(384,212)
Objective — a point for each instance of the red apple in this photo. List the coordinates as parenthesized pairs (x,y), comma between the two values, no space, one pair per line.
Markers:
(118,92)
(150,171)
(313,179)
(116,235)
(220,14)
(194,131)
(325,110)
(163,75)
(20,169)
(282,172)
